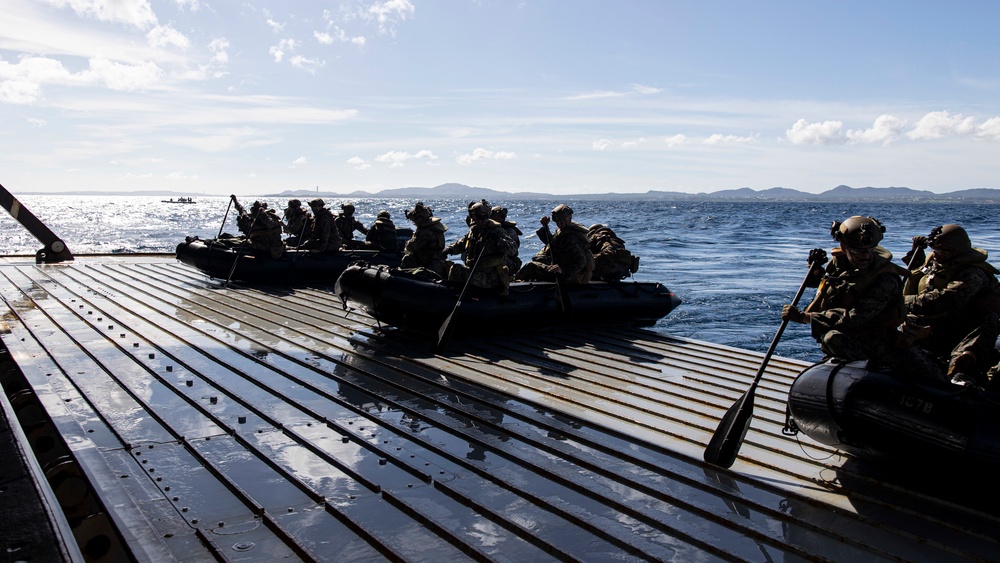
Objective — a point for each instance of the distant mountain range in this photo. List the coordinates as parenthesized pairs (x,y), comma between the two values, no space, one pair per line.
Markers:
(840,193)
(470,193)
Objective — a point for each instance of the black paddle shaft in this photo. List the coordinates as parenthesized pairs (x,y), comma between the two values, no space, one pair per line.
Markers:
(728,437)
(444,332)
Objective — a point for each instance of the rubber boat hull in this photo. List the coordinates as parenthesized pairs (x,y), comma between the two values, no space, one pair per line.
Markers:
(401,299)
(892,419)
(295,266)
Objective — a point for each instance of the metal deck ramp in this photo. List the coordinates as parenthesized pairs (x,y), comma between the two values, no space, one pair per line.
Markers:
(261,424)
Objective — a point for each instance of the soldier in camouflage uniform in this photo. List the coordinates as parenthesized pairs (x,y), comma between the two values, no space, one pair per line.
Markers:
(566,254)
(347,224)
(513,261)
(859,300)
(262,227)
(425,249)
(612,261)
(954,292)
(324,236)
(486,247)
(296,222)
(382,234)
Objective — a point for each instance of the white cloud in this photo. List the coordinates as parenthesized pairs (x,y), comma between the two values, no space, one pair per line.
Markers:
(397,159)
(358,163)
(308,65)
(601,145)
(885,130)
(676,141)
(937,124)
(389,13)
(598,94)
(181,176)
(191,5)
(162,35)
(299,161)
(805,133)
(990,129)
(338,35)
(124,77)
(137,13)
(632,144)
(719,139)
(37,122)
(275,26)
(641,89)
(285,45)
(483,154)
(20,92)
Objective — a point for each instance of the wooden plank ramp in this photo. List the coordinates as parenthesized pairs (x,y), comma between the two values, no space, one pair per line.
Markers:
(264,423)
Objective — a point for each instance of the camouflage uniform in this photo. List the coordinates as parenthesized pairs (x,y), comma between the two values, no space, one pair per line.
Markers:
(855,312)
(382,234)
(612,261)
(296,222)
(488,243)
(512,260)
(956,300)
(425,249)
(569,248)
(324,236)
(262,226)
(347,224)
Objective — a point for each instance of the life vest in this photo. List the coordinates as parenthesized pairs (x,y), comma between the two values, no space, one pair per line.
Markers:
(842,286)
(936,276)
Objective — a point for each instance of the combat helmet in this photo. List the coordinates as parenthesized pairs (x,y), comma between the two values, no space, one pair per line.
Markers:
(858,232)
(419,211)
(949,236)
(347,208)
(294,203)
(317,203)
(560,211)
(498,213)
(479,211)
(383,214)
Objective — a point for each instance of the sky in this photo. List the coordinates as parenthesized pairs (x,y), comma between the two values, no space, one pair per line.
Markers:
(554,96)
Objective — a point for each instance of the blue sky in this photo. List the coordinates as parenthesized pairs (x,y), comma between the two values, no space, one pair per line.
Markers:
(558,96)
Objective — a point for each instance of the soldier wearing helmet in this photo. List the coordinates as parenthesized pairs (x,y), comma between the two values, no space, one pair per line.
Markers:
(262,227)
(954,291)
(566,253)
(486,246)
(513,260)
(295,222)
(323,236)
(425,249)
(346,225)
(382,235)
(859,296)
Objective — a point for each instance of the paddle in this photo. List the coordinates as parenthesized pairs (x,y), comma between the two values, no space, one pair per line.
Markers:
(224,217)
(728,437)
(562,298)
(444,332)
(243,245)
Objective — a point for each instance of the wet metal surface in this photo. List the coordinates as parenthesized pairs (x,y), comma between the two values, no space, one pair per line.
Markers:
(261,424)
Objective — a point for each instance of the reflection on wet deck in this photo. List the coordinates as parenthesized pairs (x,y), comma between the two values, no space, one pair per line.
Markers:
(260,423)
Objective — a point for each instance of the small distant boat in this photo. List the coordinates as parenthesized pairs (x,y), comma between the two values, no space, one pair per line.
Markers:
(897,420)
(406,300)
(294,267)
(178,200)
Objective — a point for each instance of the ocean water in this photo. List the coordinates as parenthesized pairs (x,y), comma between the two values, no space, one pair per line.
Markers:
(733,264)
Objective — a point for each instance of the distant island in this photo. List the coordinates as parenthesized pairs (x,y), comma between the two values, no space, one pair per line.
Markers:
(461,191)
(840,193)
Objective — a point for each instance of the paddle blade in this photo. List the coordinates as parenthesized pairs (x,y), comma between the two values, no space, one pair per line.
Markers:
(444,333)
(728,437)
